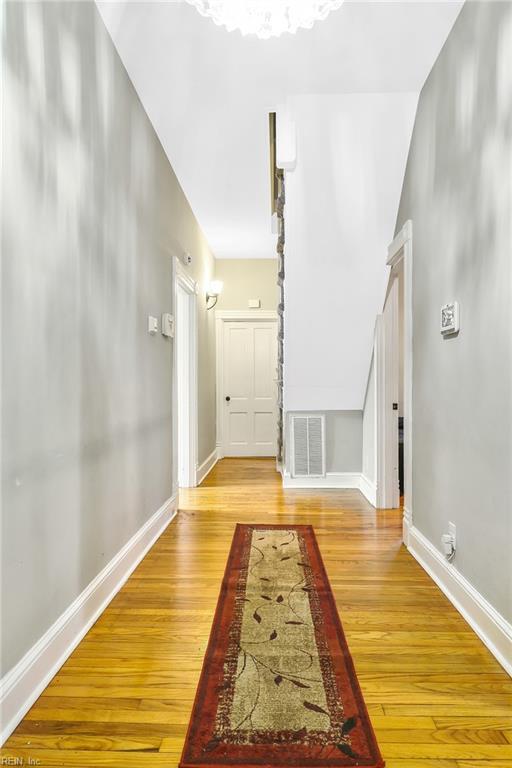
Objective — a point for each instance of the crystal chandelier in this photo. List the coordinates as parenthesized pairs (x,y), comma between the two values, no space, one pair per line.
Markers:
(265,18)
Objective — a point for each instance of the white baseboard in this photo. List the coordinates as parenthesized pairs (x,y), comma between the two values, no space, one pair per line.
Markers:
(494,631)
(23,684)
(206,467)
(369,489)
(330,480)
(335,480)
(406,526)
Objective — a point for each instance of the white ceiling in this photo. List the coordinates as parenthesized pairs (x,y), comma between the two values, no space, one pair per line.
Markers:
(208,92)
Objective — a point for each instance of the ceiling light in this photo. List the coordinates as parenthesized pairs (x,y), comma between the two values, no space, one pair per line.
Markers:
(265,18)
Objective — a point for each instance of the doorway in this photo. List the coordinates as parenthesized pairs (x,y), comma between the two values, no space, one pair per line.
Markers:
(247,383)
(391,395)
(394,382)
(185,379)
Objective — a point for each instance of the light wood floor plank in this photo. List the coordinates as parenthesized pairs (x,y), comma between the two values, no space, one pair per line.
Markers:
(436,696)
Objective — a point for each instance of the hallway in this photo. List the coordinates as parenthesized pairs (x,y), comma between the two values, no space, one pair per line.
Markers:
(436,696)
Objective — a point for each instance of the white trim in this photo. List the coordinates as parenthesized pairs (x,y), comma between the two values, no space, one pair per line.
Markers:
(182,279)
(349,480)
(369,489)
(381,500)
(185,279)
(206,467)
(330,480)
(395,253)
(492,629)
(23,684)
(406,525)
(229,316)
(399,252)
(174,383)
(388,350)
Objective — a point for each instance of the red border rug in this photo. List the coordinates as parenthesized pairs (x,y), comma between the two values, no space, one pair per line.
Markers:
(278,686)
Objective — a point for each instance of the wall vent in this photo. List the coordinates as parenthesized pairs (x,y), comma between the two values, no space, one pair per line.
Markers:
(308,441)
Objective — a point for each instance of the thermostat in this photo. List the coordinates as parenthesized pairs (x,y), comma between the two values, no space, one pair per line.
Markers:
(450,318)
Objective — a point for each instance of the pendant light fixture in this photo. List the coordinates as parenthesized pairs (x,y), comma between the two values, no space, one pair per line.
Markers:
(265,18)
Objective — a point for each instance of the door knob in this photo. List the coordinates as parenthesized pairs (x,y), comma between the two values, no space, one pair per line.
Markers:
(228,398)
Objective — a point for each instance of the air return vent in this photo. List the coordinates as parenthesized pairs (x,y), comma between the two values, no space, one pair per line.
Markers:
(308,446)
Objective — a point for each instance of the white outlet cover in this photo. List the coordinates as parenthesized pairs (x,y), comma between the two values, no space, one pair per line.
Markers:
(168,325)
(152,325)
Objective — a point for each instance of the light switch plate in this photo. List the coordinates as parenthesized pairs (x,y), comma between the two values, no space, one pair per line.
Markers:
(168,325)
(152,325)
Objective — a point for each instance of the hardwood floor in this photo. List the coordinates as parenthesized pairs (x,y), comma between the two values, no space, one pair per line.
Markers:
(436,696)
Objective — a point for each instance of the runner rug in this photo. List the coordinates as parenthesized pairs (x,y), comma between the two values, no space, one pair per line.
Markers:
(278,687)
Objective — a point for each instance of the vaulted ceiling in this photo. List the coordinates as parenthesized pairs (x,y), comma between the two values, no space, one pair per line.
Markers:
(208,92)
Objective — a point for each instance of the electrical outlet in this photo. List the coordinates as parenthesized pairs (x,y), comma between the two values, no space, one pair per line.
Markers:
(452,530)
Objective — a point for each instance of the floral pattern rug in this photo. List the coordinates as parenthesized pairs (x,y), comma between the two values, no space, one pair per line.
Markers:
(278,685)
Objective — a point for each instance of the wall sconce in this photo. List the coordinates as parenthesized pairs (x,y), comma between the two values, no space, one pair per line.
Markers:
(213,291)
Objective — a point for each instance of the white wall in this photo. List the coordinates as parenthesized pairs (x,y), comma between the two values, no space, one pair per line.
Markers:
(341,205)
(208,92)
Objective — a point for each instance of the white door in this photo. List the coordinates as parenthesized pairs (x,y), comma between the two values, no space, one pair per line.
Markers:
(249,391)
(390,402)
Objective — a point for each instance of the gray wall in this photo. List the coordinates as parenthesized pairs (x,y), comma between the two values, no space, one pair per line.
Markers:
(343,441)
(92,213)
(458,193)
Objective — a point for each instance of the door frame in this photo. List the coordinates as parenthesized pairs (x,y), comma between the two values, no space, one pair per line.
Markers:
(185,282)
(230,316)
(387,371)
(399,256)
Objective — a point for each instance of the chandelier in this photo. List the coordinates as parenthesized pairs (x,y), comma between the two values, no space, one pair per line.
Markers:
(265,18)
